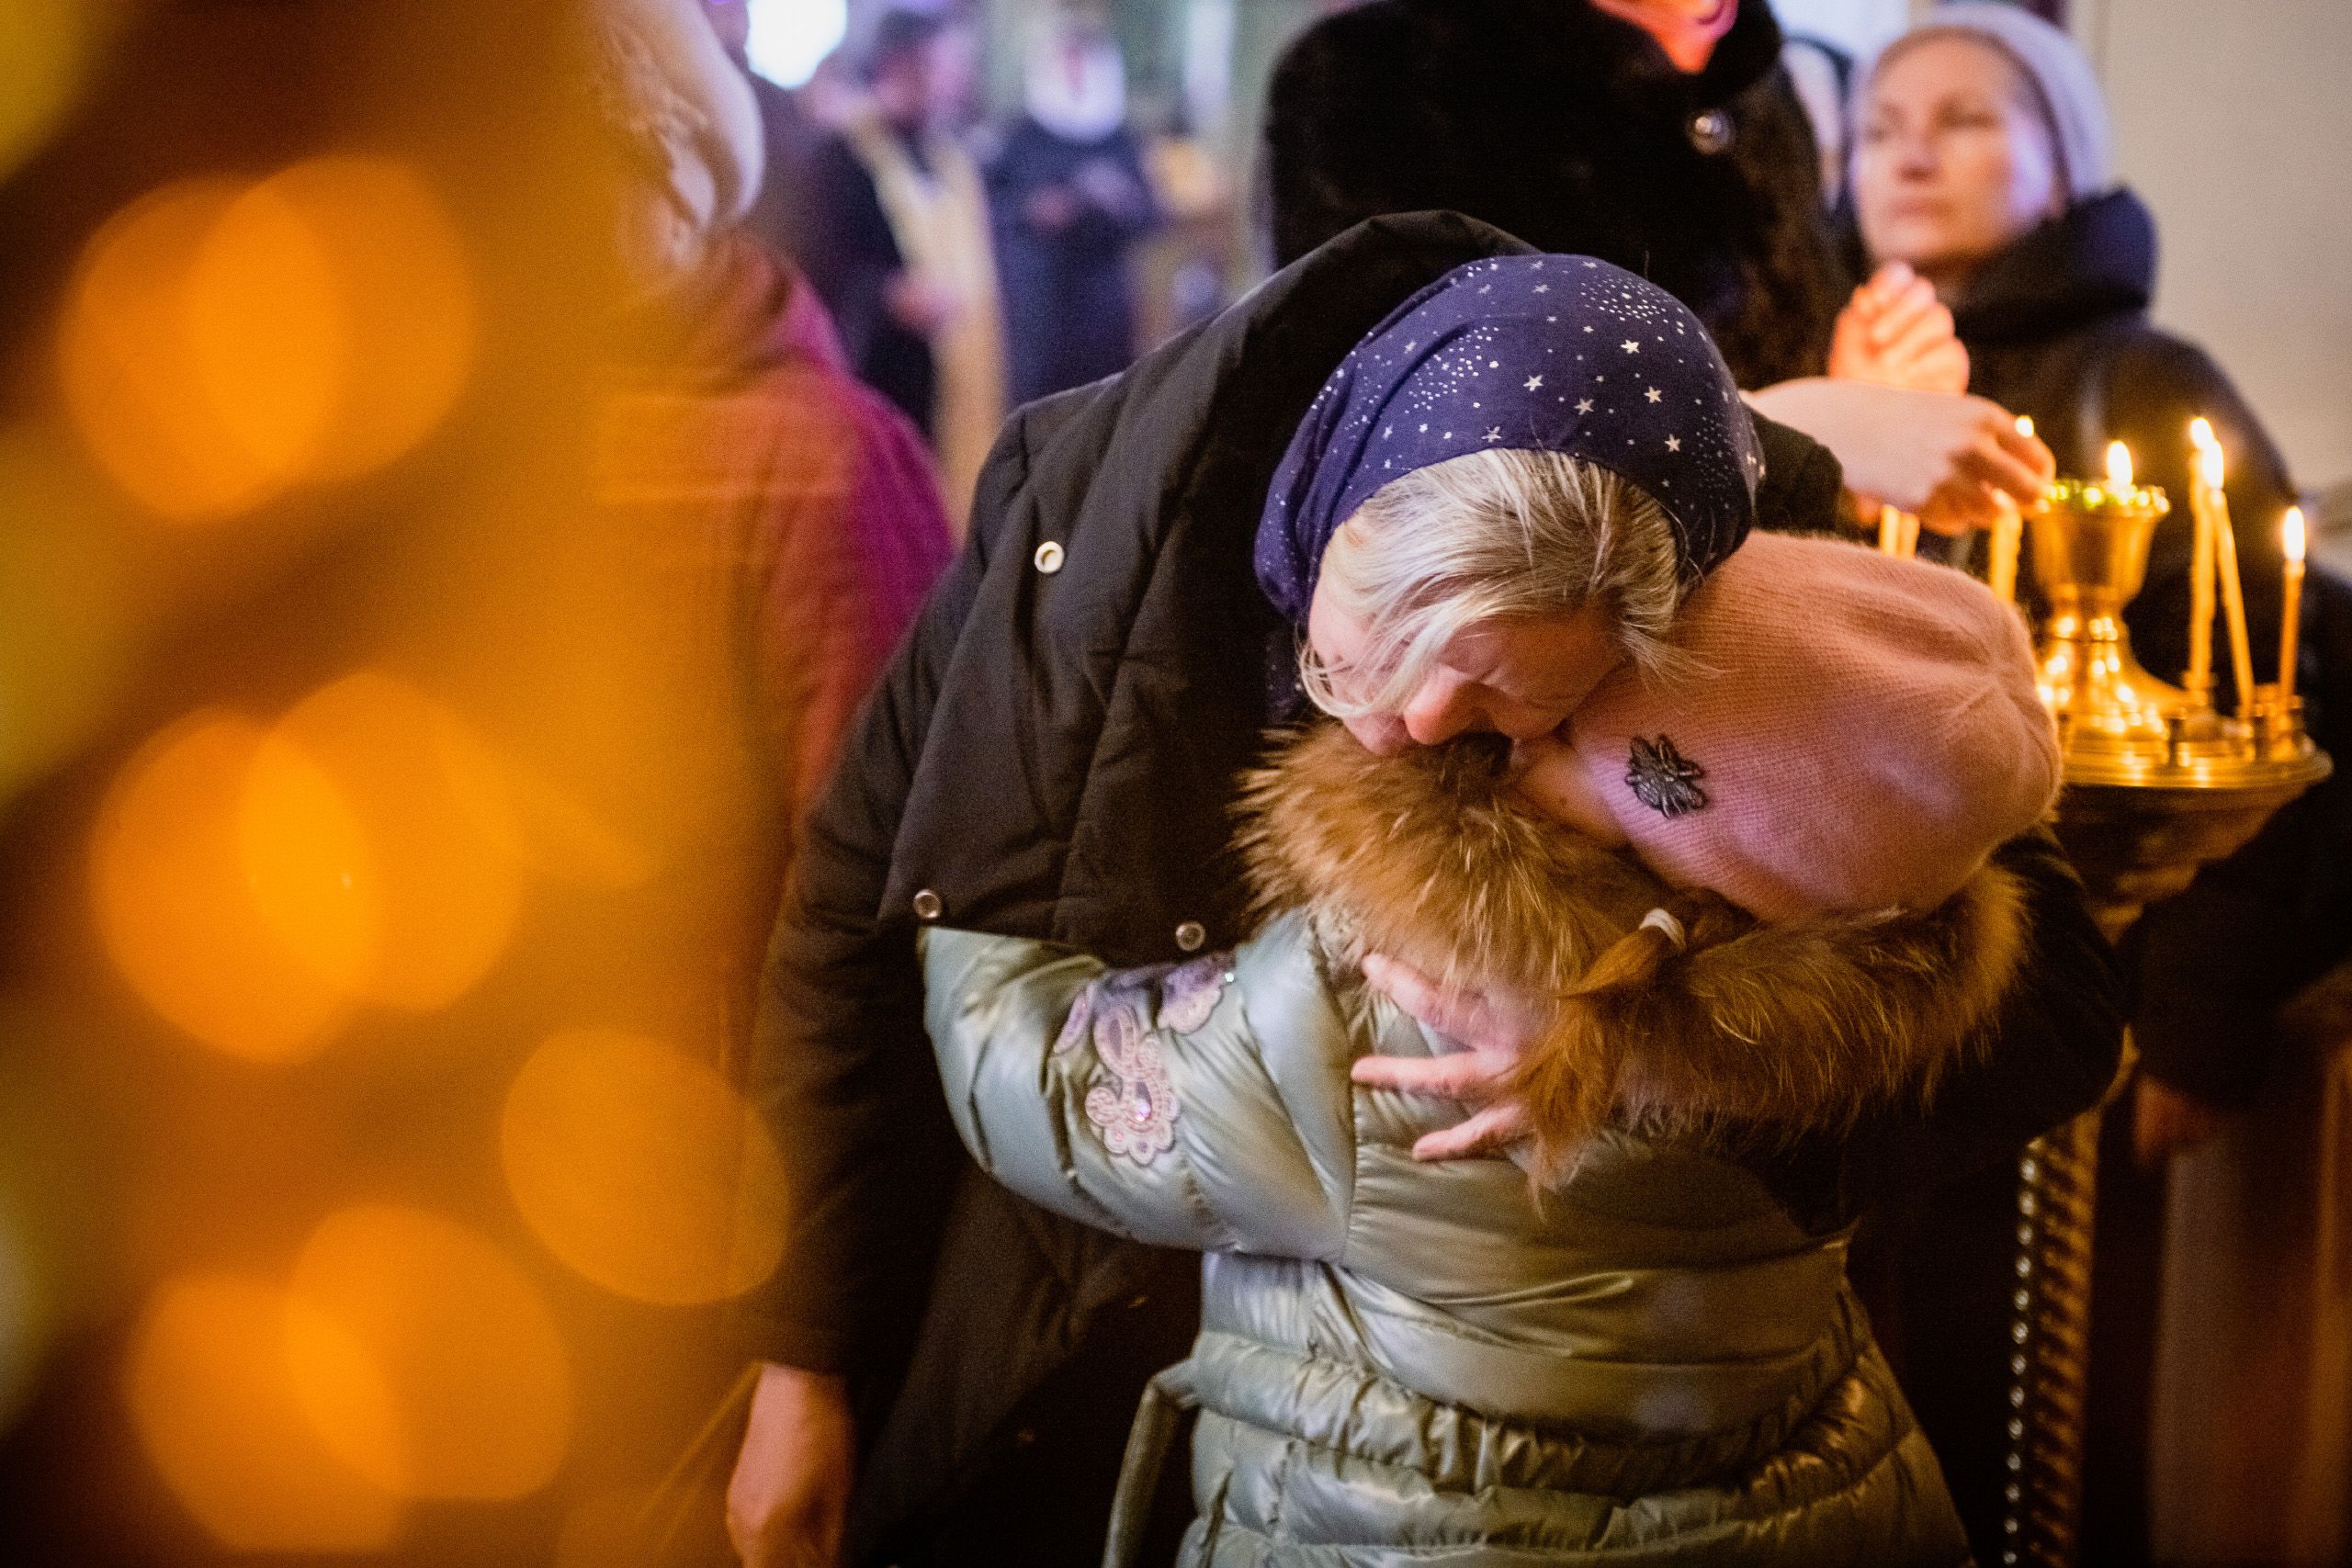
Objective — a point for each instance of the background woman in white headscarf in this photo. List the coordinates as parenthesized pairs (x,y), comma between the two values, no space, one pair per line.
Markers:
(1984,192)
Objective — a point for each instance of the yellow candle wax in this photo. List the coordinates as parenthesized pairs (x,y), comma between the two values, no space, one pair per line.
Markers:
(2209,499)
(2201,570)
(2001,567)
(2008,529)
(2291,614)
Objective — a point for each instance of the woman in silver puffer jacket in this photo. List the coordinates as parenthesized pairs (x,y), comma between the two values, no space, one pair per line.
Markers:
(1402,1362)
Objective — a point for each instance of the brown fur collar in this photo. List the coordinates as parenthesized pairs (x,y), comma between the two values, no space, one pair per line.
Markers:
(1780,1029)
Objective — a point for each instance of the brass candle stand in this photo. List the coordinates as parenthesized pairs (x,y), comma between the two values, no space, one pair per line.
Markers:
(2158,785)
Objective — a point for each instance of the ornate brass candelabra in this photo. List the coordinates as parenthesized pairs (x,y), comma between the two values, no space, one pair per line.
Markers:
(2158,785)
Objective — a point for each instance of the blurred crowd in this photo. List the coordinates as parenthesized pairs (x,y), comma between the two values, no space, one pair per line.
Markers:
(463,468)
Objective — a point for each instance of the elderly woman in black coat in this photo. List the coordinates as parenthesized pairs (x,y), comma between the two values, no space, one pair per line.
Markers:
(1062,766)
(1055,755)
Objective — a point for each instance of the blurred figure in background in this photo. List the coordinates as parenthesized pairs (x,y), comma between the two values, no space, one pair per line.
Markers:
(1986,200)
(789,138)
(733,439)
(797,505)
(895,237)
(1985,194)
(1071,200)
(1662,135)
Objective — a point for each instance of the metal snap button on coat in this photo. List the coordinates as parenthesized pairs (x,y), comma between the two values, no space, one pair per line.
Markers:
(1190,935)
(927,905)
(1711,130)
(1049,558)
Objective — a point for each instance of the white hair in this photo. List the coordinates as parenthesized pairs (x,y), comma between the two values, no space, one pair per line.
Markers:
(1486,536)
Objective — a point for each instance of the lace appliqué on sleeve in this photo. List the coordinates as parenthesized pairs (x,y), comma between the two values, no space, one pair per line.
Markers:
(1135,1112)
(1135,1109)
(1192,991)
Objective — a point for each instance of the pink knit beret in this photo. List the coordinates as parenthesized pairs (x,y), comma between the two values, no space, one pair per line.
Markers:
(1856,733)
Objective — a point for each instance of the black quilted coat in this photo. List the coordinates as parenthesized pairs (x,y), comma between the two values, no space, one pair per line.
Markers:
(1571,130)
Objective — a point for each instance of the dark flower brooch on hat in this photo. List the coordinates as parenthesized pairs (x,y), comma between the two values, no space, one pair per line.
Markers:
(1664,780)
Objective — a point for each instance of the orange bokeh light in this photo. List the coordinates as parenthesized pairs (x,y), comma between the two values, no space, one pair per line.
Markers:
(225,342)
(640,1167)
(269,347)
(254,885)
(471,1365)
(132,381)
(208,849)
(435,812)
(406,302)
(215,1408)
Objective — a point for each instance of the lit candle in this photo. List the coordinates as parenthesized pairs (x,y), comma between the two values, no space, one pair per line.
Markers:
(2211,503)
(2290,615)
(2199,679)
(2001,568)
(1898,532)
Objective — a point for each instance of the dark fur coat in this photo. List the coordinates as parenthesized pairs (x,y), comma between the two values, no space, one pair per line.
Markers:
(1571,130)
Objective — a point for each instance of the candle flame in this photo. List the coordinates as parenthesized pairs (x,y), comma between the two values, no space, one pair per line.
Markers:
(2025,425)
(2209,465)
(2201,432)
(2118,466)
(2293,530)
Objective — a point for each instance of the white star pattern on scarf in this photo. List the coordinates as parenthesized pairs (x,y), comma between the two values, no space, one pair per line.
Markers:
(1498,315)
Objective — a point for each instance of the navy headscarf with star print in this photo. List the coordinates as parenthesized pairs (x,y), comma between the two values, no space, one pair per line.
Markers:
(1528,353)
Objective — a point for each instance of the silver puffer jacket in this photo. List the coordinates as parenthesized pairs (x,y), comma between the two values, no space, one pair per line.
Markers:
(1403,1362)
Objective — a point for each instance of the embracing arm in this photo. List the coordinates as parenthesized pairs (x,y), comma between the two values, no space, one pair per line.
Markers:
(1140,1102)
(838,1067)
